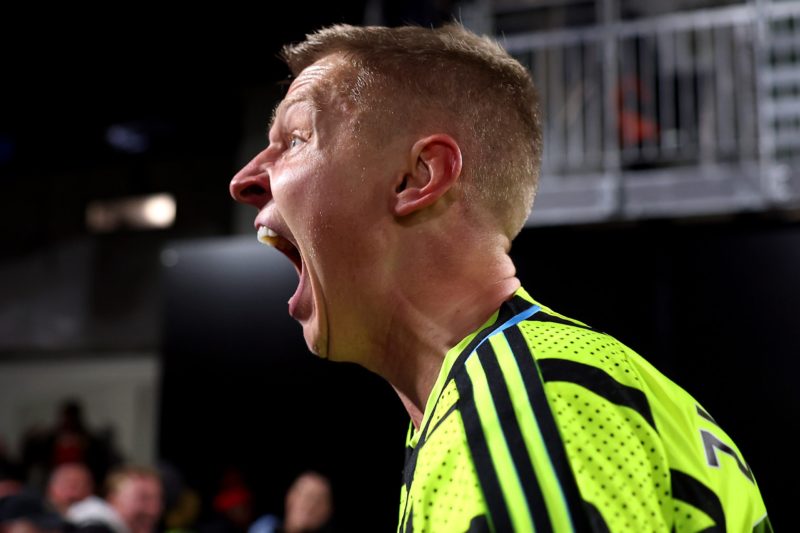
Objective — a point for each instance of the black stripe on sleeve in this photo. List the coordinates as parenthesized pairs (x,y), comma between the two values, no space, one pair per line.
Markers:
(599,382)
(513,436)
(479,524)
(490,485)
(409,466)
(548,428)
(689,490)
(518,304)
(704,414)
(596,519)
(439,422)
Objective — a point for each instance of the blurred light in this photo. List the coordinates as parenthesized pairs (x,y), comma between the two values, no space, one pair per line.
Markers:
(169,257)
(146,212)
(7,149)
(159,211)
(128,139)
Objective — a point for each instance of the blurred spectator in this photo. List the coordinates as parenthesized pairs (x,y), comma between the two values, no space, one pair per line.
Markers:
(135,493)
(95,515)
(308,508)
(635,126)
(133,504)
(69,483)
(181,503)
(10,478)
(25,512)
(232,505)
(69,441)
(183,513)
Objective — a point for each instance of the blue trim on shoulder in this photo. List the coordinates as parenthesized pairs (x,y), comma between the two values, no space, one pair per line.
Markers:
(513,321)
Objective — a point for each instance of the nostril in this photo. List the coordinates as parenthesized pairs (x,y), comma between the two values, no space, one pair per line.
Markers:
(252,190)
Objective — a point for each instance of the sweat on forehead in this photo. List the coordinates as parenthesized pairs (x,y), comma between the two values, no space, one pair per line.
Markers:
(317,85)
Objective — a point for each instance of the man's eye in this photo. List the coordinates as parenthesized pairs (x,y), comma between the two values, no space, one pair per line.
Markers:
(294,141)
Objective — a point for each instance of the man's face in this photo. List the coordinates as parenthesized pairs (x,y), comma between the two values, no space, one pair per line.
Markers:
(308,503)
(69,484)
(318,194)
(138,502)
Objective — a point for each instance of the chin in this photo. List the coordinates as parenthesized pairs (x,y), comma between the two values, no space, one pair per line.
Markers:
(315,331)
(315,342)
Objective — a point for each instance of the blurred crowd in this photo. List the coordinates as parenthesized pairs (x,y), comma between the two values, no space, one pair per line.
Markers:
(71,481)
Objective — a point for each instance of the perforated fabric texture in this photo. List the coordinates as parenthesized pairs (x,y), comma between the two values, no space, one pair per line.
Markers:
(618,458)
(446,495)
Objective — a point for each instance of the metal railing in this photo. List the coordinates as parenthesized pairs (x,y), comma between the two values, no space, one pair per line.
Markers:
(687,113)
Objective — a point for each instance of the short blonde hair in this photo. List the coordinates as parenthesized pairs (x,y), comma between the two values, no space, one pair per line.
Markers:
(117,477)
(447,78)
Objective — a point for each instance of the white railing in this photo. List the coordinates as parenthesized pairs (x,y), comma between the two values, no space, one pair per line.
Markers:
(687,113)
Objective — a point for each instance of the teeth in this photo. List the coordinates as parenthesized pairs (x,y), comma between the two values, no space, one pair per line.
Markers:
(266,235)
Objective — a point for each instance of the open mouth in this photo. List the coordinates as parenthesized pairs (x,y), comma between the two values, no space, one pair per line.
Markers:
(300,306)
(272,238)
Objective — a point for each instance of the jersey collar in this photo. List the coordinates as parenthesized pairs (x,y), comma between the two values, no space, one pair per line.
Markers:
(519,302)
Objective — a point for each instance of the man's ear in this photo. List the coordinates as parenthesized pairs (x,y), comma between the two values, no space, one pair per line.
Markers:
(435,167)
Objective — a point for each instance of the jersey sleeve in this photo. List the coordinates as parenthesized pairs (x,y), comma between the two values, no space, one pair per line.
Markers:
(643,451)
(709,476)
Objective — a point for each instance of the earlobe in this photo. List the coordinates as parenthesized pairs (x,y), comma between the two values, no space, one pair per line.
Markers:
(436,166)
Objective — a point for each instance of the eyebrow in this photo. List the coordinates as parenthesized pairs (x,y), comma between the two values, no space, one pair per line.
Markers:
(309,96)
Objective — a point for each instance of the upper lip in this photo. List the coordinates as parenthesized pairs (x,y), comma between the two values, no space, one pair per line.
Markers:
(267,220)
(284,235)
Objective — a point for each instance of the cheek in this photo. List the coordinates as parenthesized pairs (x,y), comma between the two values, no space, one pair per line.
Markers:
(326,202)
(313,203)
(299,189)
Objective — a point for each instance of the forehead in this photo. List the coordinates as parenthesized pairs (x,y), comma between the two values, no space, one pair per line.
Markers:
(314,74)
(139,482)
(313,86)
(72,472)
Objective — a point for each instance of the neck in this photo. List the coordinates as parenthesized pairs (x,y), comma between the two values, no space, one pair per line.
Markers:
(433,314)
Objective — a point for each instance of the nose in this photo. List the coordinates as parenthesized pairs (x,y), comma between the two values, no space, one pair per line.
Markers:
(251,185)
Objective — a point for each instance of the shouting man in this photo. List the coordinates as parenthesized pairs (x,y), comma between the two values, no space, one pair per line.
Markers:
(400,166)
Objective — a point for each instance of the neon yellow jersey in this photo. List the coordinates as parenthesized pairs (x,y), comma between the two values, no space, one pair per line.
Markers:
(537,422)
